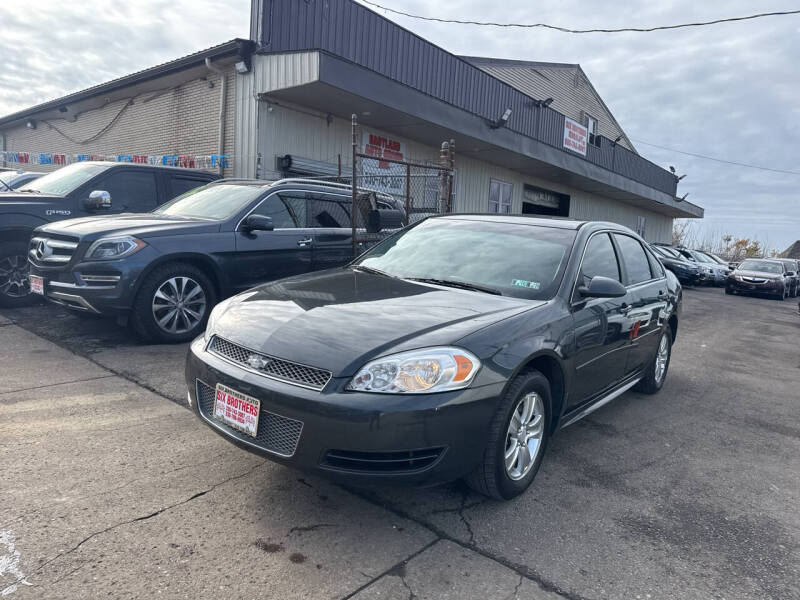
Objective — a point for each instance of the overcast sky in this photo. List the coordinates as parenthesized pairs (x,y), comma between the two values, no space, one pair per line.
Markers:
(731,91)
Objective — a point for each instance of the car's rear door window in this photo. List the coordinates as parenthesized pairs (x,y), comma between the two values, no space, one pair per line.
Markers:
(324,211)
(637,267)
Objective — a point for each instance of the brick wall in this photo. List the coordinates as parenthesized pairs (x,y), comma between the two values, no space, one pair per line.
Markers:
(178,120)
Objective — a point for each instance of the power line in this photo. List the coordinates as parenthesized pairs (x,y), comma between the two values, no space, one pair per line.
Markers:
(720,160)
(569,30)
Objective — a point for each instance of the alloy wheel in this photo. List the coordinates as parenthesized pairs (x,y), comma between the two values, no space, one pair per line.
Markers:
(662,357)
(179,304)
(14,272)
(524,436)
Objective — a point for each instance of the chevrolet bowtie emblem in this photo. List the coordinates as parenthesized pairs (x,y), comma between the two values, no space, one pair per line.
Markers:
(256,361)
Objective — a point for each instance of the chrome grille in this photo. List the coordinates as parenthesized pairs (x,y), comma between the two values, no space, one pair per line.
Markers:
(269,366)
(51,251)
(275,433)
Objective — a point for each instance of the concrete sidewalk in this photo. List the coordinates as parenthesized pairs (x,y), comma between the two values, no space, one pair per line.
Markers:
(110,490)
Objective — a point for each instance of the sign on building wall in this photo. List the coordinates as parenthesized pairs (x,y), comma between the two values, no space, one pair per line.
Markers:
(575,136)
(380,174)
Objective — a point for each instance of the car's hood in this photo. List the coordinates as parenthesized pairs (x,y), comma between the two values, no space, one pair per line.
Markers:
(757,274)
(14,197)
(142,225)
(681,263)
(339,319)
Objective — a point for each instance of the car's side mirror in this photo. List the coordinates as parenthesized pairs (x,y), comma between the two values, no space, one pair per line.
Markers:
(257,223)
(98,200)
(384,218)
(602,287)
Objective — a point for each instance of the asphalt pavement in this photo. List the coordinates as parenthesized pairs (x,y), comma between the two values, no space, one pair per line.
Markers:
(111,488)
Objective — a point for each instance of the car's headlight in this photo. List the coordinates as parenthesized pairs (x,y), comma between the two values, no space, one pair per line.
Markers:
(737,277)
(114,247)
(422,371)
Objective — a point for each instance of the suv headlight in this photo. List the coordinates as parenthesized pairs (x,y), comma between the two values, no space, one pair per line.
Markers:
(422,371)
(114,247)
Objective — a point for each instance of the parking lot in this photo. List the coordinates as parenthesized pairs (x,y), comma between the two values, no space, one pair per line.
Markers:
(112,488)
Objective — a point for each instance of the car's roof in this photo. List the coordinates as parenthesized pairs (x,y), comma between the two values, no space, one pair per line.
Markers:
(538,220)
(110,163)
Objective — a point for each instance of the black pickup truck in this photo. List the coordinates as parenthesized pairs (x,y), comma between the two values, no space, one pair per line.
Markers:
(79,190)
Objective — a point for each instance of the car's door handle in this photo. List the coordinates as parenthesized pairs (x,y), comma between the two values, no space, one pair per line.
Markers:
(304,242)
(660,292)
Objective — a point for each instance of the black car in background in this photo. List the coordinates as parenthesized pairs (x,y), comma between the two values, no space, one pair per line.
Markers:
(164,271)
(454,348)
(794,280)
(79,189)
(688,273)
(760,276)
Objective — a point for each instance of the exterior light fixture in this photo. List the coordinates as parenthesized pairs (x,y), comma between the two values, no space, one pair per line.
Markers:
(617,139)
(31,124)
(547,102)
(242,67)
(502,120)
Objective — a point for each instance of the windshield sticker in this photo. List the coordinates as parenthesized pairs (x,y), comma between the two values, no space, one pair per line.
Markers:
(534,285)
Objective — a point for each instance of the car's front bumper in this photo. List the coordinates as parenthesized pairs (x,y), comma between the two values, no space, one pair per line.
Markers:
(384,439)
(100,287)
(773,287)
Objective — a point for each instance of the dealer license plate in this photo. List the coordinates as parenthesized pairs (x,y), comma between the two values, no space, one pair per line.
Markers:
(37,284)
(237,410)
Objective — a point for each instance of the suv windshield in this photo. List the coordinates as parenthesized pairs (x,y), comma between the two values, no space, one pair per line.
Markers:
(668,252)
(525,261)
(761,265)
(64,180)
(701,257)
(215,202)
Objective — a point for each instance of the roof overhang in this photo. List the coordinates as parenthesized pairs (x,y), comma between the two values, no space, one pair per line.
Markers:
(343,88)
(160,77)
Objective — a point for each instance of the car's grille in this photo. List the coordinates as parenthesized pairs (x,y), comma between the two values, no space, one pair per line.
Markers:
(275,433)
(382,462)
(754,280)
(51,251)
(269,366)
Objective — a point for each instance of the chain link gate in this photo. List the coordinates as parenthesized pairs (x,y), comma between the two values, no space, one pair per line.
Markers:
(389,193)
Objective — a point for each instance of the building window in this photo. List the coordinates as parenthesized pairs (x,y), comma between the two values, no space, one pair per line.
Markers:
(594,136)
(539,201)
(500,196)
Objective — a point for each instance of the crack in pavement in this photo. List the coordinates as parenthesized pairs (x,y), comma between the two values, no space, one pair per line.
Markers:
(49,385)
(142,518)
(520,569)
(394,570)
(305,528)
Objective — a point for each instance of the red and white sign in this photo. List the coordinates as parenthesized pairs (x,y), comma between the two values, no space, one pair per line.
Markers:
(380,174)
(237,410)
(37,284)
(575,136)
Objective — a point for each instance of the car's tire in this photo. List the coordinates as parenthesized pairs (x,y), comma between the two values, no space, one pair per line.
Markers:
(173,304)
(728,291)
(15,289)
(656,371)
(528,394)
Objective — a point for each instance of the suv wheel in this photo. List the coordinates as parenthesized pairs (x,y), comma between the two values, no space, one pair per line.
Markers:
(656,370)
(518,438)
(15,289)
(173,304)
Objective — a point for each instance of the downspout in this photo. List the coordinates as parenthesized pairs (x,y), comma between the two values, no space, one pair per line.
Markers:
(222,106)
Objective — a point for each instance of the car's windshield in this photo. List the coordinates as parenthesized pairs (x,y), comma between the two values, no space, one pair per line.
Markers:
(520,260)
(700,257)
(64,180)
(764,266)
(668,252)
(6,179)
(716,258)
(216,202)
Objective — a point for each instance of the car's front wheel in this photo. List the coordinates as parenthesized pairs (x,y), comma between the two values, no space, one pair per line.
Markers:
(656,371)
(173,304)
(15,289)
(518,438)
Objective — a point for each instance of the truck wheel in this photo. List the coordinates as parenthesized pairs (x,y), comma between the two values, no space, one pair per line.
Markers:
(517,439)
(656,370)
(173,304)
(15,288)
